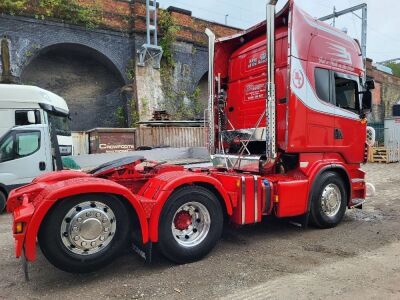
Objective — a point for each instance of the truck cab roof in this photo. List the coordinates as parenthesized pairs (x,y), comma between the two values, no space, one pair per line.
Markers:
(30,94)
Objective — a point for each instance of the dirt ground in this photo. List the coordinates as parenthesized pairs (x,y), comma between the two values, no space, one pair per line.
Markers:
(359,259)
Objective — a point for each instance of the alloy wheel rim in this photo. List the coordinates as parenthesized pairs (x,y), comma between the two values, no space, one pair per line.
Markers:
(331,200)
(88,227)
(191,224)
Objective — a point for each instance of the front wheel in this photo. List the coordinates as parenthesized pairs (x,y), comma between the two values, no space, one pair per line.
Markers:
(190,225)
(84,233)
(329,201)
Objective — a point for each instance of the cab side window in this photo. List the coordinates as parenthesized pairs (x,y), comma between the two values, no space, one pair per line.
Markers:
(21,117)
(346,93)
(323,84)
(27,143)
(18,145)
(339,89)
(7,148)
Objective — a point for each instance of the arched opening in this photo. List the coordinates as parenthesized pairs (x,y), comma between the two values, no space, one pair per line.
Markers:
(86,79)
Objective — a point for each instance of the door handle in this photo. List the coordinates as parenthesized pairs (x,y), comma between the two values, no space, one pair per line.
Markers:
(42,166)
(338,134)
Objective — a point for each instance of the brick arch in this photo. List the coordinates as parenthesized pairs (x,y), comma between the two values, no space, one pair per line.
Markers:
(86,78)
(33,53)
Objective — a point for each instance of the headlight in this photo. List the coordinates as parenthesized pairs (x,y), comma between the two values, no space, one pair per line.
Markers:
(65,150)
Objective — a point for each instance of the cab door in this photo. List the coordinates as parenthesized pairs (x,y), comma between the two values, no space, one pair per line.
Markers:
(349,129)
(23,156)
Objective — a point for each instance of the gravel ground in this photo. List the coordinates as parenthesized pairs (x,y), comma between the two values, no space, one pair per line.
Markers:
(358,259)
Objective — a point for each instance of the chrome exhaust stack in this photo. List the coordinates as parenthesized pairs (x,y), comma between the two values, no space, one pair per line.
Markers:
(211,89)
(270,103)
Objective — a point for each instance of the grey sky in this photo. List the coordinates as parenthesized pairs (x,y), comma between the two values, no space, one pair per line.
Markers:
(383,18)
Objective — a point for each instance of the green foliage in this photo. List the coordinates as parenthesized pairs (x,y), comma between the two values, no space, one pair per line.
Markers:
(134,113)
(168,31)
(395,68)
(178,103)
(69,10)
(12,6)
(130,70)
(120,116)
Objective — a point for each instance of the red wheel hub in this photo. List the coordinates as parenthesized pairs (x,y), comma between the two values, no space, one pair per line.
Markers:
(182,220)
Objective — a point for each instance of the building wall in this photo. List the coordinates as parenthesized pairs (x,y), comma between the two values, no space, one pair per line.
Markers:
(385,95)
(113,45)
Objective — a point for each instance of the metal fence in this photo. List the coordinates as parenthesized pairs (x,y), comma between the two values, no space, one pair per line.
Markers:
(170,136)
(387,142)
(379,133)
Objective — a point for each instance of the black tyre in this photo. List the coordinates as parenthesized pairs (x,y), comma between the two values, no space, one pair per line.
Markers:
(3,201)
(84,233)
(329,201)
(191,224)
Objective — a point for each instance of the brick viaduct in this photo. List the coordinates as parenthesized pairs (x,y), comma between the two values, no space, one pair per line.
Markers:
(90,67)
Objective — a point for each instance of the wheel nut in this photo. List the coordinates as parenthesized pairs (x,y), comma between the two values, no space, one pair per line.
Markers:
(106,229)
(104,220)
(93,244)
(102,238)
(76,238)
(79,220)
(98,214)
(75,228)
(83,244)
(88,214)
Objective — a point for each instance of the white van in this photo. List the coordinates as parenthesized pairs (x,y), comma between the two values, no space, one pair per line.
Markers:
(25,153)
(25,105)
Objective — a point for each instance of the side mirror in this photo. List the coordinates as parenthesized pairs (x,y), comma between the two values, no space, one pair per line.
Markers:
(370,84)
(31,117)
(367,101)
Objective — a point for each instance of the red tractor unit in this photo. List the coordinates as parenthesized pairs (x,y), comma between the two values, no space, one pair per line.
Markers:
(287,135)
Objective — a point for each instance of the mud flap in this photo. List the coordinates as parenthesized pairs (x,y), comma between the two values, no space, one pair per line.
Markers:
(144,251)
(301,221)
(24,263)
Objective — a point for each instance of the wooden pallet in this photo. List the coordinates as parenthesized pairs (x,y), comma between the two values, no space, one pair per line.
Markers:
(383,155)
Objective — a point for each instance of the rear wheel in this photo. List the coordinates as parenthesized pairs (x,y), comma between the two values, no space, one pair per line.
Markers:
(190,225)
(3,201)
(329,201)
(84,233)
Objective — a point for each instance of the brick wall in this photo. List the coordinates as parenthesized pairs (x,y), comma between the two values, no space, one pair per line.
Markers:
(130,16)
(386,93)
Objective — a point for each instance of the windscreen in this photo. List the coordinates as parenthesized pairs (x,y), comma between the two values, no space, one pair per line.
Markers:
(60,123)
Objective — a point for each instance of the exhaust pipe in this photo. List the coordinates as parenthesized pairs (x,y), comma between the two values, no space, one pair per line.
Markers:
(211,89)
(270,103)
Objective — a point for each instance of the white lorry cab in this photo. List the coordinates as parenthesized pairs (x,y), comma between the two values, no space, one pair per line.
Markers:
(25,105)
(25,153)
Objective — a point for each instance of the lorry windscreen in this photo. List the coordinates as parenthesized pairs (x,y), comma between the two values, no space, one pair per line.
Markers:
(60,123)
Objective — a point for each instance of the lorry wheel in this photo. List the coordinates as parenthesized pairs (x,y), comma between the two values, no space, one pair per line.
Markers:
(83,233)
(3,201)
(191,224)
(329,201)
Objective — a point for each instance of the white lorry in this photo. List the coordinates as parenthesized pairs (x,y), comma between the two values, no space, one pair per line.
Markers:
(25,153)
(25,105)
(26,113)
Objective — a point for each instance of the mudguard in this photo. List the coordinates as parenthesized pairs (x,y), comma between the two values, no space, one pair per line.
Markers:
(161,187)
(33,211)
